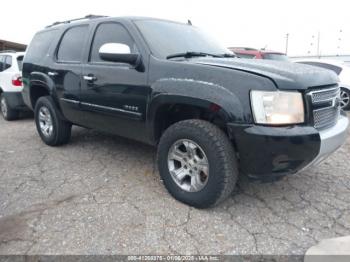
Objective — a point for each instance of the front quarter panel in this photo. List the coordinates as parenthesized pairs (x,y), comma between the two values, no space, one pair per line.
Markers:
(198,93)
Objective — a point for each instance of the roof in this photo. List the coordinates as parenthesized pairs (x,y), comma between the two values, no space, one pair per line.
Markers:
(13,46)
(105,18)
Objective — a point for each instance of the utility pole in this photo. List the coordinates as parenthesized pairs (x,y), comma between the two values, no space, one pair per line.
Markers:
(287,39)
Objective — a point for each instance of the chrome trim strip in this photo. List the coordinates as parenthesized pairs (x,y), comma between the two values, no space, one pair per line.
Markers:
(112,109)
(70,101)
(102,107)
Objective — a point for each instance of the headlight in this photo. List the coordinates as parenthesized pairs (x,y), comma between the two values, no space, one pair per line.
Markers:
(277,107)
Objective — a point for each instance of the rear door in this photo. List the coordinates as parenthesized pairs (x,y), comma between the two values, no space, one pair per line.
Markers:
(67,68)
(115,100)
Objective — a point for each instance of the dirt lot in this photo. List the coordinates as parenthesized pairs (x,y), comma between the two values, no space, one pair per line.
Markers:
(101,195)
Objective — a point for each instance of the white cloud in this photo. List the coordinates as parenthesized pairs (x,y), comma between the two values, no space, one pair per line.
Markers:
(235,23)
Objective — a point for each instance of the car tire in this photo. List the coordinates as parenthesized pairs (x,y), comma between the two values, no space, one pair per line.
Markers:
(345,98)
(7,112)
(52,129)
(208,144)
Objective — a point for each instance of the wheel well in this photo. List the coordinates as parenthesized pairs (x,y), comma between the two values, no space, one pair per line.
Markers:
(169,114)
(36,92)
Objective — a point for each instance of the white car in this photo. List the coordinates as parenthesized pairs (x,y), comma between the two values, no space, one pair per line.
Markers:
(343,72)
(11,101)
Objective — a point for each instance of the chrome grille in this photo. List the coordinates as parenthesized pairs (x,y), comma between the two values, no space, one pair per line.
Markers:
(326,117)
(326,106)
(324,95)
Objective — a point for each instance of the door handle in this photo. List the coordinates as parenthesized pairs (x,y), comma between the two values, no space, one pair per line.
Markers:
(90,78)
(52,73)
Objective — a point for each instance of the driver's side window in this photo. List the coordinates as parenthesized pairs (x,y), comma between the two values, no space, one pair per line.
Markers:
(110,33)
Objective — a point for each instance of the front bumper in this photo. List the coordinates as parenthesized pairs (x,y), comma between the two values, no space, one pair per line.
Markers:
(331,140)
(267,153)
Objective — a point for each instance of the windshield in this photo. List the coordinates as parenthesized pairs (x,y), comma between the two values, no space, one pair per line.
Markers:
(280,57)
(168,38)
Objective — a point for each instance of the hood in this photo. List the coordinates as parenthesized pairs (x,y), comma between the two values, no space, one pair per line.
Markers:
(286,75)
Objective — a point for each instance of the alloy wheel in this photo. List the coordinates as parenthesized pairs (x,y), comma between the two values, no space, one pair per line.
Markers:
(4,108)
(45,121)
(188,165)
(344,99)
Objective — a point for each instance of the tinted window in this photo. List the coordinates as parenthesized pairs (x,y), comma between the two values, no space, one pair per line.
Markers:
(250,56)
(40,45)
(20,62)
(167,38)
(72,43)
(2,58)
(8,62)
(280,57)
(335,69)
(110,33)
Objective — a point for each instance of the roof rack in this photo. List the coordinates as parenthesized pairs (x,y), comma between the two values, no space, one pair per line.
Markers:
(8,51)
(76,19)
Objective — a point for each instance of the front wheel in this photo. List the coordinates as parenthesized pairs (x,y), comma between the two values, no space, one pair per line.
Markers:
(52,129)
(345,98)
(197,163)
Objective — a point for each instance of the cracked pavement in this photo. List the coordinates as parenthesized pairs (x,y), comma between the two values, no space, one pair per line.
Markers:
(101,194)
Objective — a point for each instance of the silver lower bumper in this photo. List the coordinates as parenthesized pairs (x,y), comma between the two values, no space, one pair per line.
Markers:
(331,140)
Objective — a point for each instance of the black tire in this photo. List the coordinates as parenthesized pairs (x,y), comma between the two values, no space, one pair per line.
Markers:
(223,167)
(61,130)
(7,112)
(345,94)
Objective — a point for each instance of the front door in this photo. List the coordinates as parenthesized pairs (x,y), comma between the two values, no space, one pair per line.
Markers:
(114,95)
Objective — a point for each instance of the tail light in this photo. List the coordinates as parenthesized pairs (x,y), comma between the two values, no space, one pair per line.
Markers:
(17,80)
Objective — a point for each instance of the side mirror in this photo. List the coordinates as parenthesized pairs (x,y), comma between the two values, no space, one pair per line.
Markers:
(120,53)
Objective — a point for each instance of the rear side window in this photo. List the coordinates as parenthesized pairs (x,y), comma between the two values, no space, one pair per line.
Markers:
(249,56)
(110,33)
(20,62)
(8,62)
(40,45)
(2,61)
(279,57)
(72,43)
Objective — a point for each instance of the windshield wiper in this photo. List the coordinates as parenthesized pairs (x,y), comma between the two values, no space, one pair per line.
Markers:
(191,54)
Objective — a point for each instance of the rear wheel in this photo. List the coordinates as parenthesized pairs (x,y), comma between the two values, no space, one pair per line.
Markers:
(345,98)
(7,112)
(197,163)
(52,129)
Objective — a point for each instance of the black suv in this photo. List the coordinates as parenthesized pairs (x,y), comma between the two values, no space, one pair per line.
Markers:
(164,83)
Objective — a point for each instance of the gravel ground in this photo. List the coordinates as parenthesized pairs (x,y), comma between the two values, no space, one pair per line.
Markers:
(100,194)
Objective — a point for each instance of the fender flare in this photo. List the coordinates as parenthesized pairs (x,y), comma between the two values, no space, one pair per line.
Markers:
(42,80)
(341,85)
(195,93)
